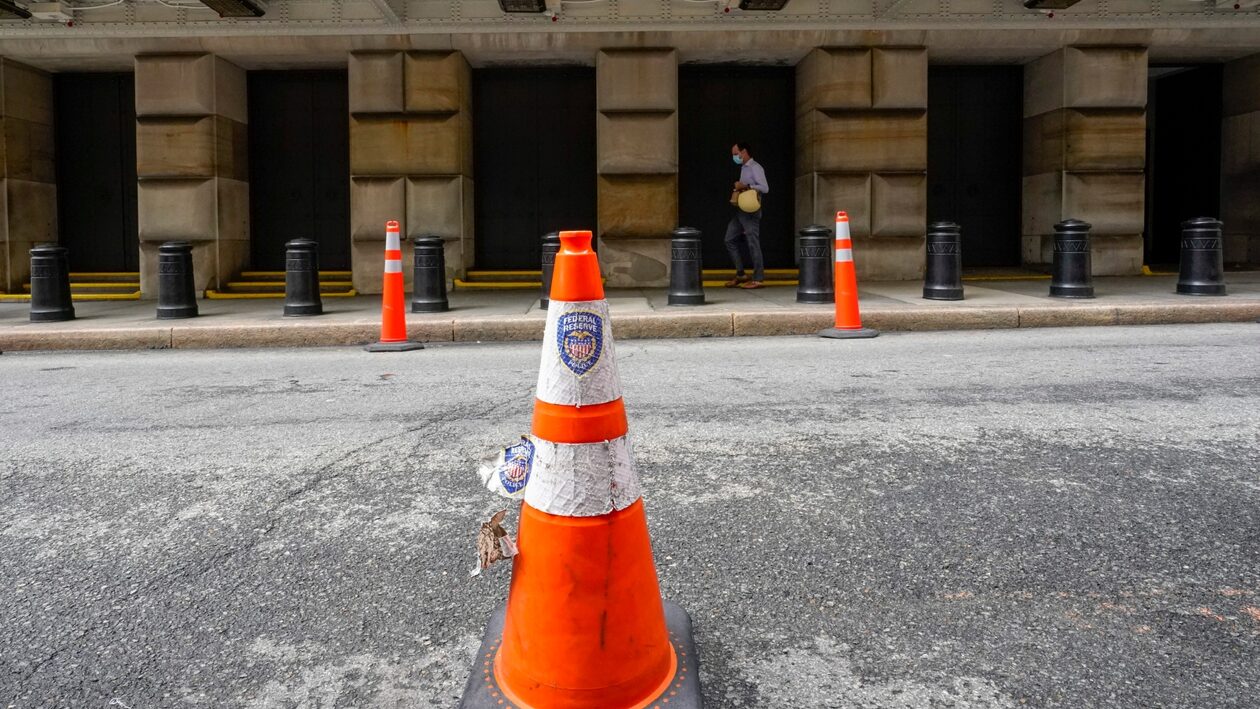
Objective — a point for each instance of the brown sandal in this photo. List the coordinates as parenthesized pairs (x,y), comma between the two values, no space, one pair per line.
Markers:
(737,282)
(752,284)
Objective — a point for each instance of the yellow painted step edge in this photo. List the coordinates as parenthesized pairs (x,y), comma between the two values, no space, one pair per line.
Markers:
(766,283)
(280,284)
(76,298)
(497,285)
(104,274)
(475,272)
(1013,277)
(219,295)
(280,274)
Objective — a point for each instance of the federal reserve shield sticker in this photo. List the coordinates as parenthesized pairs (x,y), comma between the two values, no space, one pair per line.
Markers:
(580,340)
(518,459)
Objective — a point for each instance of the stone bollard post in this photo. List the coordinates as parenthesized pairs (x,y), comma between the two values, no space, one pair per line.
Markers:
(301,278)
(550,247)
(816,280)
(428,284)
(685,285)
(50,284)
(1202,258)
(943,280)
(1072,275)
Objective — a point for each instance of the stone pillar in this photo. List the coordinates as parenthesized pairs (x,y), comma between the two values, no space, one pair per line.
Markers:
(192,160)
(410,157)
(861,147)
(1240,161)
(637,158)
(28,212)
(1085,153)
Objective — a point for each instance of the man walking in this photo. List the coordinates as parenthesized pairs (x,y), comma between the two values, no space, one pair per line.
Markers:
(745,224)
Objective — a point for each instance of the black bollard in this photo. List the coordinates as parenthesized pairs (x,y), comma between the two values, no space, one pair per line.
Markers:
(685,286)
(943,280)
(50,284)
(1202,258)
(816,282)
(177,296)
(301,279)
(1071,275)
(428,285)
(550,247)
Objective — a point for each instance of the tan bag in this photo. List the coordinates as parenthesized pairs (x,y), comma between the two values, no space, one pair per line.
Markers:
(749,201)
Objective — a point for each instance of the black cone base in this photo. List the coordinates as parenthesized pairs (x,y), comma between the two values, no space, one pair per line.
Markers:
(394,347)
(177,313)
(685,299)
(430,307)
(1071,292)
(52,315)
(943,294)
(816,298)
(295,311)
(858,334)
(482,691)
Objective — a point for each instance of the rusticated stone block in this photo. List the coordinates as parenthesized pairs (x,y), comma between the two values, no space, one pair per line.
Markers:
(367,264)
(1104,77)
(899,78)
(231,148)
(411,145)
(847,193)
(636,80)
(1042,205)
(1105,139)
(31,211)
(1114,203)
(889,259)
(637,143)
(1116,255)
(1044,142)
(376,82)
(898,205)
(29,150)
(233,212)
(871,142)
(374,201)
(175,85)
(637,206)
(806,147)
(833,79)
(1043,84)
(28,93)
(231,91)
(435,205)
(176,147)
(172,209)
(628,263)
(437,82)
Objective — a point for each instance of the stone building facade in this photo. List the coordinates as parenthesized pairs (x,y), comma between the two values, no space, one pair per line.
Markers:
(862,121)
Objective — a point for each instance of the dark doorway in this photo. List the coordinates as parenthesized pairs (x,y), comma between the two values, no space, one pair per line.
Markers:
(717,106)
(975,128)
(534,160)
(299,165)
(96,170)
(1183,150)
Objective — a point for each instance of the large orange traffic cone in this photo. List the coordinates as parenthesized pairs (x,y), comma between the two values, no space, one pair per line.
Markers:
(393,316)
(848,318)
(584,626)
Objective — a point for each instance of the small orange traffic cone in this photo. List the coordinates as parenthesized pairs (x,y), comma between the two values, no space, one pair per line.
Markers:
(584,626)
(393,316)
(848,319)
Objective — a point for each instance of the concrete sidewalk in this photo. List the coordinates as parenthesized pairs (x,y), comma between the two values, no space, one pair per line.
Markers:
(638,313)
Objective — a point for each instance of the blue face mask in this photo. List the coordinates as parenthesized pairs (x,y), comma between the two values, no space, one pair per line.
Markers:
(738,160)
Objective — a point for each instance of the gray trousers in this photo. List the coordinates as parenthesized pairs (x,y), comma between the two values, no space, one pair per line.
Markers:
(748,226)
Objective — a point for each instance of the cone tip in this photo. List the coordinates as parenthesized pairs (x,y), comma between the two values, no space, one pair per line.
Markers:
(578,241)
(391,225)
(842,216)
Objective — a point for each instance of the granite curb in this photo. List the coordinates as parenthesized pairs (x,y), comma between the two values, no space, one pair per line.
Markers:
(655,325)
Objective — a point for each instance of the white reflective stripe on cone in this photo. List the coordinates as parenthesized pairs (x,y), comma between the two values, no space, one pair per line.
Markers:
(393,242)
(392,266)
(844,255)
(579,367)
(582,479)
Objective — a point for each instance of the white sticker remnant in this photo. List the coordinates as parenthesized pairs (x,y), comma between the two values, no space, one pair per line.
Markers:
(583,479)
(578,366)
(493,543)
(508,474)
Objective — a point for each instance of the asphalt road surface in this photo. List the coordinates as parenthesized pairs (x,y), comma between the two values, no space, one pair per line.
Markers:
(1047,518)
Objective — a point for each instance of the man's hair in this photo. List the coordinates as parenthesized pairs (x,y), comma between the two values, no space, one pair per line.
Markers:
(744,146)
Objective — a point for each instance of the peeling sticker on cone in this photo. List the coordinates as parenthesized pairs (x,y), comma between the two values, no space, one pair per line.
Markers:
(578,365)
(509,472)
(583,479)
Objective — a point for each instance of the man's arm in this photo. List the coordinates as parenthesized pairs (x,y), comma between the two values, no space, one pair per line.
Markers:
(757,180)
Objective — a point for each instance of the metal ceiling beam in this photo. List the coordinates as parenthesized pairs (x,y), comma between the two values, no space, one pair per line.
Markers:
(386,8)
